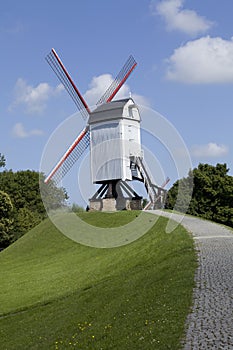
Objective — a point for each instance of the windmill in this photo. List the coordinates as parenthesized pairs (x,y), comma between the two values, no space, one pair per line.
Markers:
(112,132)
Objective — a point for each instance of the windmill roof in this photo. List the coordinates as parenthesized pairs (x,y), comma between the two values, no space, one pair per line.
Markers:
(109,111)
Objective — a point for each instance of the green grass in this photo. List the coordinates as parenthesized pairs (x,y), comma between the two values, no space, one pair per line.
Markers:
(57,294)
(115,219)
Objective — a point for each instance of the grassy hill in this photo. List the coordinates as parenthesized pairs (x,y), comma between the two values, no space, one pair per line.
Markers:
(58,294)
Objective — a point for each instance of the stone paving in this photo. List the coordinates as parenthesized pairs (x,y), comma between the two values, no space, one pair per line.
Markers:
(210,323)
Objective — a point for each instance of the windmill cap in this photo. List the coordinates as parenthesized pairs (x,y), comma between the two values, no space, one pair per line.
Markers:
(113,110)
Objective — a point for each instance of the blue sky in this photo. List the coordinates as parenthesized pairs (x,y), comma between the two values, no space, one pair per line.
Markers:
(184,51)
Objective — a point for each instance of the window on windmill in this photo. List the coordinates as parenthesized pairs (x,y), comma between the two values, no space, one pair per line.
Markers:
(133,113)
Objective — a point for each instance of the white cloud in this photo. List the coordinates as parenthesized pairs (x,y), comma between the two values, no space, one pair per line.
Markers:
(33,99)
(212,150)
(100,84)
(205,60)
(177,18)
(20,132)
(140,100)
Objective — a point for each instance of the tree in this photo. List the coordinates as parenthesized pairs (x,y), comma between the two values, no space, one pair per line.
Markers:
(26,189)
(180,194)
(212,196)
(6,219)
(24,221)
(52,196)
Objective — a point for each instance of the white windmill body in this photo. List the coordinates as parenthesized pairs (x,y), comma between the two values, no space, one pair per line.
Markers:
(113,135)
(114,139)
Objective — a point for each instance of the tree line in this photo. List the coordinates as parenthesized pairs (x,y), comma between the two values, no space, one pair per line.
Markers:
(210,189)
(21,204)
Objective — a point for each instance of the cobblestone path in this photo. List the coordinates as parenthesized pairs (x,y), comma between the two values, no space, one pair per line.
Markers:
(210,324)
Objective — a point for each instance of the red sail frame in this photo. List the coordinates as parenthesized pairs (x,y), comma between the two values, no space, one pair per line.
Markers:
(79,145)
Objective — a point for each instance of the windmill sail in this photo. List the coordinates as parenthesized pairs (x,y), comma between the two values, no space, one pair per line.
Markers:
(70,157)
(119,80)
(81,143)
(56,64)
